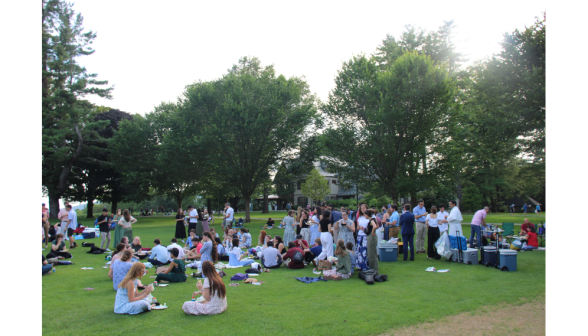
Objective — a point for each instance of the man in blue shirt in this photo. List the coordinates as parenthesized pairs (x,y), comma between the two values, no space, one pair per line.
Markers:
(420,214)
(393,224)
(407,223)
(159,254)
(525,208)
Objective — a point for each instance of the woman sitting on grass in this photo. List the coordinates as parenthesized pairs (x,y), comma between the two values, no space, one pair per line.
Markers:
(261,238)
(245,238)
(128,300)
(117,253)
(213,291)
(531,238)
(136,244)
(228,238)
(279,244)
(176,271)
(343,270)
(57,248)
(120,267)
(238,254)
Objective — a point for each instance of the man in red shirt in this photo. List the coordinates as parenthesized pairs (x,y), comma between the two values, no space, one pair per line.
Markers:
(288,257)
(524,227)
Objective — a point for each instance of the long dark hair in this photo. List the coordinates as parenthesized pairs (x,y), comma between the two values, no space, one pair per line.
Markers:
(119,247)
(280,241)
(217,286)
(214,252)
(127,215)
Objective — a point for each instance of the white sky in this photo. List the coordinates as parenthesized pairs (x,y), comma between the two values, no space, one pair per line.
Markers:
(150,52)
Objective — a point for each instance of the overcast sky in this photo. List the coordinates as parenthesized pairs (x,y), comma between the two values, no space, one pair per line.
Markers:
(150,52)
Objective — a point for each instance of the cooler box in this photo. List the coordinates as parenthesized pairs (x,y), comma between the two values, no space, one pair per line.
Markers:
(89,235)
(490,256)
(388,252)
(470,256)
(455,255)
(508,260)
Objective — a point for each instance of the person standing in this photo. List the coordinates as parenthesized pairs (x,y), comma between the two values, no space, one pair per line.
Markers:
(205,218)
(433,233)
(335,217)
(512,206)
(193,219)
(454,219)
(180,226)
(372,240)
(476,230)
(326,237)
(199,228)
(288,207)
(346,228)
(394,222)
(525,208)
(45,224)
(407,223)
(72,221)
(62,215)
(361,246)
(229,216)
(117,229)
(442,216)
(538,209)
(104,226)
(125,222)
(304,227)
(420,216)
(290,224)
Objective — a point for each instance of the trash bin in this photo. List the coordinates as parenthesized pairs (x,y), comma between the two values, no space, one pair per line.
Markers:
(508,260)
(388,252)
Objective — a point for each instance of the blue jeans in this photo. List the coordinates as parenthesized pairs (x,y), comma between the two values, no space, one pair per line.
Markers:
(47,268)
(476,230)
(528,248)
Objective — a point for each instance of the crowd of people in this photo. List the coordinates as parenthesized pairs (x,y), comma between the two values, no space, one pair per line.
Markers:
(344,238)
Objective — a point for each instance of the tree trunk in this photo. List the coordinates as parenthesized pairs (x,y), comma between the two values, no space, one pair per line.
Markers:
(264,209)
(235,203)
(209,205)
(113,207)
(413,200)
(90,206)
(247,214)
(53,204)
(179,197)
(458,189)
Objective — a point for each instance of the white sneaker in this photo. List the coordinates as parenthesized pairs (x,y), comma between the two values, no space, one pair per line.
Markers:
(108,250)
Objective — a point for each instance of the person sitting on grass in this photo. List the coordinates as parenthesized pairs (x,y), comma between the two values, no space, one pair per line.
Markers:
(349,247)
(58,248)
(188,245)
(213,291)
(294,258)
(208,250)
(315,251)
(120,267)
(524,227)
(220,248)
(343,263)
(46,266)
(176,271)
(261,238)
(268,225)
(213,232)
(194,252)
(136,244)
(228,238)
(271,257)
(279,244)
(174,244)
(531,238)
(240,222)
(159,254)
(238,254)
(245,238)
(128,300)
(117,253)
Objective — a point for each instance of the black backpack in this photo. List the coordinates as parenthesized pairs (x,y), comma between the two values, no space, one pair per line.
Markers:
(298,258)
(96,250)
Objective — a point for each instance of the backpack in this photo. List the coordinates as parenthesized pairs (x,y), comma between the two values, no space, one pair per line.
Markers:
(96,250)
(298,258)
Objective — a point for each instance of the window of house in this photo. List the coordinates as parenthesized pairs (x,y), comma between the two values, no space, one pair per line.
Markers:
(335,182)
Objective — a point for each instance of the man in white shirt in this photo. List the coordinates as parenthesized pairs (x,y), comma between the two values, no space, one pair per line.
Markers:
(454,220)
(175,244)
(229,215)
(271,257)
(62,215)
(72,222)
(159,255)
(193,215)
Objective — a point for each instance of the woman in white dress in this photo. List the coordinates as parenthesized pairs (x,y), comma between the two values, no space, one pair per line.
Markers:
(213,291)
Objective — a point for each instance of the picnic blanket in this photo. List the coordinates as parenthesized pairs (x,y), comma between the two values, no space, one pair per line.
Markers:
(308,280)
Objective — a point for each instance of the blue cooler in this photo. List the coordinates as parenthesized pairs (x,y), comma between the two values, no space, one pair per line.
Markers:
(508,260)
(388,252)
(490,256)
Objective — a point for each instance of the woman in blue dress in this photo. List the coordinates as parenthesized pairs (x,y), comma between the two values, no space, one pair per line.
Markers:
(128,300)
(290,231)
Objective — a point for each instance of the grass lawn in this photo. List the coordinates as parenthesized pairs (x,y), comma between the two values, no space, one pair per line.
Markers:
(283,305)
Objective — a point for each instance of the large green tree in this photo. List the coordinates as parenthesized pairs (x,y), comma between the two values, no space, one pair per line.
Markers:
(315,186)
(67,118)
(386,121)
(250,117)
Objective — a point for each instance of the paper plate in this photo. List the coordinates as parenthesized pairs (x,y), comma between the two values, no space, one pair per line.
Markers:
(87,268)
(253,274)
(162,285)
(160,307)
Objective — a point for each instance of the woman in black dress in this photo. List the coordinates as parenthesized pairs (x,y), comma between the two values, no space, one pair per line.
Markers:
(180,225)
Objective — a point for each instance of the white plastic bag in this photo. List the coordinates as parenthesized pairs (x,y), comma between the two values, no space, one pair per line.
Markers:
(440,244)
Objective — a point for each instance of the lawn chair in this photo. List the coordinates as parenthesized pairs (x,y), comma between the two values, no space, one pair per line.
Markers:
(541,234)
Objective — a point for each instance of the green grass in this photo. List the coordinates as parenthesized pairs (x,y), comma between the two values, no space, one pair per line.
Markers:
(284,306)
